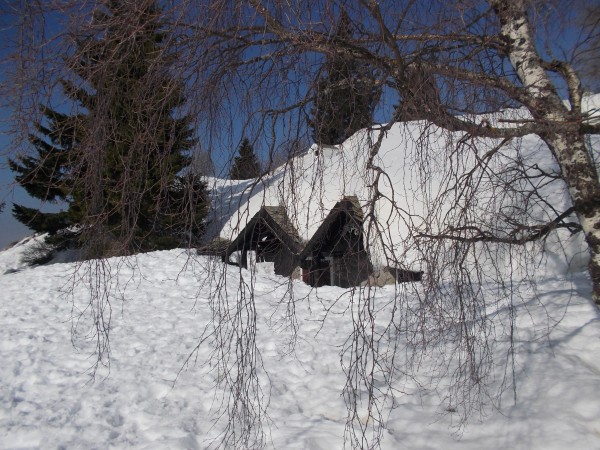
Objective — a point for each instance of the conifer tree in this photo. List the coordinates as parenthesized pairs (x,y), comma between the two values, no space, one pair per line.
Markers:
(246,165)
(122,175)
(46,176)
(346,94)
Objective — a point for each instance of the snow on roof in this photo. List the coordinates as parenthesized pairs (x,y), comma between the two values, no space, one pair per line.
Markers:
(402,198)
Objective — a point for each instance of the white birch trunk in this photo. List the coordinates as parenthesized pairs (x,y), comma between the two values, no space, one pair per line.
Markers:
(557,127)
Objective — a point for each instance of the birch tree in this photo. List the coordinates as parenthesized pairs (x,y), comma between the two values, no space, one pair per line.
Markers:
(560,126)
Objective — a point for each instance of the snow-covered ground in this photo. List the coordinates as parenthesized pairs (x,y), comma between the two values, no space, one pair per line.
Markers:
(159,309)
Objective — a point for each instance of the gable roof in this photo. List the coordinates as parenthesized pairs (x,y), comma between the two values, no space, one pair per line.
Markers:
(277,221)
(348,205)
(215,247)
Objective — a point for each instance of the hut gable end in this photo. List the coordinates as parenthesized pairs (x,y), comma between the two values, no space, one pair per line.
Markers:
(273,238)
(336,253)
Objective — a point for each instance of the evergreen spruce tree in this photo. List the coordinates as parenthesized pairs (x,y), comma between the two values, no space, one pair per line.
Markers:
(47,176)
(123,172)
(246,165)
(346,94)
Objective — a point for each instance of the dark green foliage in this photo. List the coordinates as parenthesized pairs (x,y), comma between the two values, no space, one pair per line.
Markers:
(37,254)
(48,176)
(39,221)
(417,91)
(45,175)
(175,227)
(144,144)
(346,93)
(246,165)
(118,165)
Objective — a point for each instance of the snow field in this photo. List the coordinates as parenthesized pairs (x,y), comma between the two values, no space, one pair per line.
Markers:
(160,307)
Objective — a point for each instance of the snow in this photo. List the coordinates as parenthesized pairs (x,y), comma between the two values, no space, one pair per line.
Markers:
(11,258)
(160,305)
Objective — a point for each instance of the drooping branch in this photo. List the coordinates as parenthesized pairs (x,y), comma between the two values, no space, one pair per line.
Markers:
(520,235)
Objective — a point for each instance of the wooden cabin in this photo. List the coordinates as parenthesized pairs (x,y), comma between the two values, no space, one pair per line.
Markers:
(336,254)
(272,237)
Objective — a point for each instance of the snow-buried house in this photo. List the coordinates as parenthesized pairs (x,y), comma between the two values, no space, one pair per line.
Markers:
(271,237)
(402,196)
(310,189)
(334,256)
(336,253)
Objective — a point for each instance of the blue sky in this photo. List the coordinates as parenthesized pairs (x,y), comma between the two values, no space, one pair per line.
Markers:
(10,229)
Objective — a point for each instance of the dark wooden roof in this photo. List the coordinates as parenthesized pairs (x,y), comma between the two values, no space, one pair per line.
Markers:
(280,217)
(277,221)
(218,246)
(348,205)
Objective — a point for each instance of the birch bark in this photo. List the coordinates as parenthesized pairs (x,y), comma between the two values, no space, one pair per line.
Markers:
(559,125)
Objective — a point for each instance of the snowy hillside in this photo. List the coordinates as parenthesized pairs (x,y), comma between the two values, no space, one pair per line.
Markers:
(159,311)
